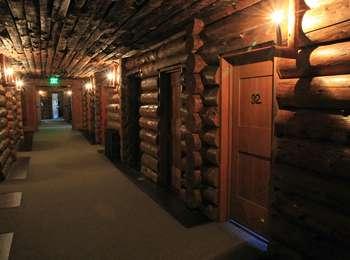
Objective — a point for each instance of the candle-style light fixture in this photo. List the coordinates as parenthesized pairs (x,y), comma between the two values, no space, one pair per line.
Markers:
(9,71)
(88,86)
(19,84)
(277,17)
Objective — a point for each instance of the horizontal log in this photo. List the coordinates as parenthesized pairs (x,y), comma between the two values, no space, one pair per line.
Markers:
(195,63)
(177,46)
(147,172)
(211,195)
(183,112)
(115,99)
(193,142)
(4,156)
(183,146)
(212,137)
(210,176)
(3,112)
(149,98)
(193,43)
(149,162)
(113,125)
(313,216)
(313,125)
(147,123)
(4,144)
(323,191)
(113,116)
(152,69)
(149,111)
(149,136)
(211,211)
(310,244)
(195,27)
(149,84)
(211,117)
(183,131)
(193,198)
(323,158)
(211,75)
(194,103)
(194,160)
(328,92)
(3,122)
(193,83)
(177,179)
(194,122)
(211,97)
(150,149)
(212,155)
(3,101)
(194,178)
(318,22)
(113,108)
(333,59)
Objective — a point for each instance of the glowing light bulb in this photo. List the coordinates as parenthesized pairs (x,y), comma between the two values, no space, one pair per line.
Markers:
(69,92)
(277,16)
(42,93)
(19,84)
(88,86)
(110,76)
(9,71)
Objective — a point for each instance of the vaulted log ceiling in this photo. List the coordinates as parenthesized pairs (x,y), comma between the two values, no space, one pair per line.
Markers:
(74,38)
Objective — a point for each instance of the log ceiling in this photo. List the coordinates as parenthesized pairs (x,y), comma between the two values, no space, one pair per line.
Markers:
(74,38)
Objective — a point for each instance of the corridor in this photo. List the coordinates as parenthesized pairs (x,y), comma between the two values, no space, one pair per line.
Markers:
(77,205)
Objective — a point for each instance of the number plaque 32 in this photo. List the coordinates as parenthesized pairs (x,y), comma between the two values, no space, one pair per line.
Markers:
(255,99)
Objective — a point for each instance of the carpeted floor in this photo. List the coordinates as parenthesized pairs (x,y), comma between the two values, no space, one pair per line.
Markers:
(77,205)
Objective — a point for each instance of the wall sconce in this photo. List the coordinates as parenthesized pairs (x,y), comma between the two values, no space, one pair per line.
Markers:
(277,18)
(69,93)
(111,76)
(19,84)
(42,93)
(88,86)
(9,71)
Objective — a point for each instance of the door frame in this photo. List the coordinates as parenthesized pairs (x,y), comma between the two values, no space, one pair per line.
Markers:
(226,109)
(166,181)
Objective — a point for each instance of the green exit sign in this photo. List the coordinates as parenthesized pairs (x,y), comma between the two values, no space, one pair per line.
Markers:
(54,80)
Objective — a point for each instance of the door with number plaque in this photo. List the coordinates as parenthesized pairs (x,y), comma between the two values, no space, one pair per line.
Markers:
(251,101)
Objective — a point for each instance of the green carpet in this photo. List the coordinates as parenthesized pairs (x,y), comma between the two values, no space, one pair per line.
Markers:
(77,205)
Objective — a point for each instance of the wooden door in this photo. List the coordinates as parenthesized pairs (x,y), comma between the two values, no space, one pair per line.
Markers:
(251,101)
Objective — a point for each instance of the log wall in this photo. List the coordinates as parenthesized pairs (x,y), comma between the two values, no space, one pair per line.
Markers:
(11,125)
(216,30)
(312,160)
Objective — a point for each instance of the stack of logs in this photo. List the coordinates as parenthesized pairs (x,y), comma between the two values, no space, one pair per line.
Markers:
(202,139)
(168,53)
(311,198)
(11,128)
(85,109)
(149,125)
(113,107)
(97,113)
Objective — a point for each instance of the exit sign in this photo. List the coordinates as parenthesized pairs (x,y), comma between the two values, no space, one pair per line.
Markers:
(54,80)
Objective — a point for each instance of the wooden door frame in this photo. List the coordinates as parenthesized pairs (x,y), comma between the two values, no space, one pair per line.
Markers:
(226,109)
(168,70)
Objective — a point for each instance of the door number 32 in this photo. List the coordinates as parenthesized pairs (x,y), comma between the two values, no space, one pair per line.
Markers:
(255,99)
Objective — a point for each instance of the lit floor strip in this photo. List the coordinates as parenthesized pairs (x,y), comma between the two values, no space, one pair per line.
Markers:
(5,245)
(10,200)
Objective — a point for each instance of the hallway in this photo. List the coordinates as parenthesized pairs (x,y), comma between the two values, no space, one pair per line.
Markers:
(77,205)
